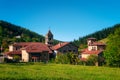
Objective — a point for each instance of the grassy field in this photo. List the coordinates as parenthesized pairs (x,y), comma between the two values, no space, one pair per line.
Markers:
(40,71)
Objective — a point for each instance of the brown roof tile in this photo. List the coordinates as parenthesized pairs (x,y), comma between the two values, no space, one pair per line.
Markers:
(37,47)
(14,52)
(86,51)
(30,47)
(98,44)
(60,45)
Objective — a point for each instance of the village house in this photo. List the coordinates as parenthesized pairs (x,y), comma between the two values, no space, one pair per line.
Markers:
(36,51)
(29,51)
(94,47)
(65,47)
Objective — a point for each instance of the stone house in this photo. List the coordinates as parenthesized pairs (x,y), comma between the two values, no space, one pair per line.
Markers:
(65,47)
(29,51)
(94,47)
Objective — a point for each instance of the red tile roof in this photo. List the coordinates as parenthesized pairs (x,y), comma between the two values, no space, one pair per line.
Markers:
(60,45)
(86,51)
(98,44)
(14,52)
(37,47)
(30,47)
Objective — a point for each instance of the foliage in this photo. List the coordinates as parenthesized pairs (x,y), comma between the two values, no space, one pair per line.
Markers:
(105,40)
(39,71)
(10,33)
(67,58)
(112,52)
(81,47)
(16,58)
(92,59)
(98,35)
(62,58)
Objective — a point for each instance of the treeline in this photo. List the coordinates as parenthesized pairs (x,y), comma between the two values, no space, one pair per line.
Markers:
(104,33)
(10,30)
(10,33)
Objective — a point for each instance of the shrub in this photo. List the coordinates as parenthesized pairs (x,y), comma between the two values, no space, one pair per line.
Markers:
(16,58)
(62,58)
(67,58)
(92,60)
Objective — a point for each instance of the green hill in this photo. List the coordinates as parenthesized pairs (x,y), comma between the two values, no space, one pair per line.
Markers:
(99,35)
(10,33)
(104,40)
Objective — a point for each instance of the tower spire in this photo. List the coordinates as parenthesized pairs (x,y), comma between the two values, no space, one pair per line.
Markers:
(49,38)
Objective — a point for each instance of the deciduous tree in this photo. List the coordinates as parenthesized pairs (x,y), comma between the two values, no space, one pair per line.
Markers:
(112,52)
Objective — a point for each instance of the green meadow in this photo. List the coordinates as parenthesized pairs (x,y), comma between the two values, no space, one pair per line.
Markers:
(41,71)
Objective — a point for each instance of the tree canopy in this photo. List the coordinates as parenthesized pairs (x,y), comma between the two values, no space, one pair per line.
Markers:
(104,33)
(10,33)
(112,52)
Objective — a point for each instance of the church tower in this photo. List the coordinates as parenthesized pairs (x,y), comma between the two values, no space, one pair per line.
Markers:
(49,38)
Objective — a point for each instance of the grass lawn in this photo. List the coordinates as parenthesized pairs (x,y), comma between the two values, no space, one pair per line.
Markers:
(40,71)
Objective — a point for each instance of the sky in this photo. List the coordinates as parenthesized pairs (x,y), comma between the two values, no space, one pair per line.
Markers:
(67,19)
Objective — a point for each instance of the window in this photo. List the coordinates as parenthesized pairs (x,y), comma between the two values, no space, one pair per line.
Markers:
(73,50)
(64,51)
(93,48)
(69,50)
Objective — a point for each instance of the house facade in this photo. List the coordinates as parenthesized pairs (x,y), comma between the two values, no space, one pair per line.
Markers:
(29,51)
(65,47)
(94,47)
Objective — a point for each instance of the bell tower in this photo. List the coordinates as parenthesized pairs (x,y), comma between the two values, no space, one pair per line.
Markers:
(49,38)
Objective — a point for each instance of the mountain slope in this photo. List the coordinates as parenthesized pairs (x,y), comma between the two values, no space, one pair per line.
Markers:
(10,30)
(10,33)
(99,35)
(105,40)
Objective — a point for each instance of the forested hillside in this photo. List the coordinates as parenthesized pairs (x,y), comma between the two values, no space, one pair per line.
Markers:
(98,35)
(10,33)
(112,51)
